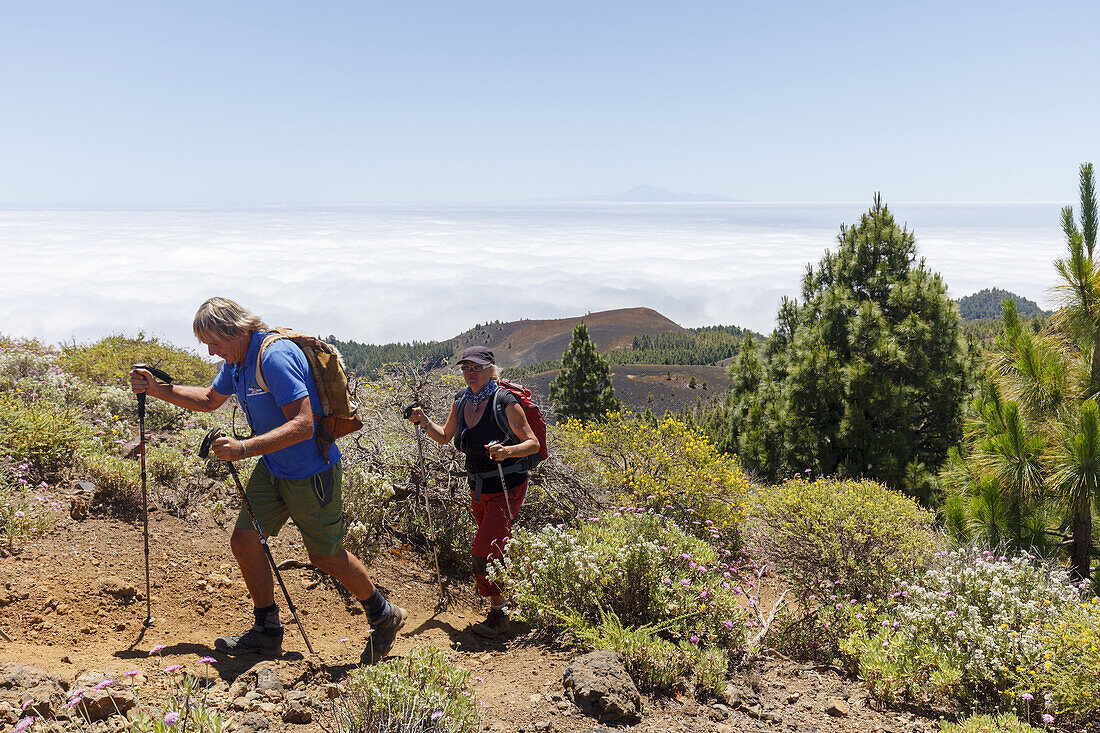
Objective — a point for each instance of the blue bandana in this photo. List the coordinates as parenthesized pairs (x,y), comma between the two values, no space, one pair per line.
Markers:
(484,394)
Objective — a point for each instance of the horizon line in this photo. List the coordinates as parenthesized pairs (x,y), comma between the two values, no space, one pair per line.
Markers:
(119,206)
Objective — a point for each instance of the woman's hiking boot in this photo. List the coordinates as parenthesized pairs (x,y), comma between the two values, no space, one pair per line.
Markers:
(266,642)
(493,626)
(382,635)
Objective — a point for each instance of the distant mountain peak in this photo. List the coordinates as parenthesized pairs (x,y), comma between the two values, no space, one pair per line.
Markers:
(986,304)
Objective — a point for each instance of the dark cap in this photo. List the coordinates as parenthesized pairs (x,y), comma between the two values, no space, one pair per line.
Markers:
(478,355)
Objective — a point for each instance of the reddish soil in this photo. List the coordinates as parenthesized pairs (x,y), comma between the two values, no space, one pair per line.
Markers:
(524,342)
(57,608)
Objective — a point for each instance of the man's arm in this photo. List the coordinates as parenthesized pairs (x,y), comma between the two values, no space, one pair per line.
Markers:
(200,399)
(298,427)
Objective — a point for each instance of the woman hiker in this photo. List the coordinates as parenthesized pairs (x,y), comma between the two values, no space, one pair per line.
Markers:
(487,455)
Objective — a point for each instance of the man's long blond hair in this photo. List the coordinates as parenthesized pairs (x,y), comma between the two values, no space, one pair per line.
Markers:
(221,319)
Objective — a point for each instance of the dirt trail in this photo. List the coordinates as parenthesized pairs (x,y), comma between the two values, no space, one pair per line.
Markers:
(74,601)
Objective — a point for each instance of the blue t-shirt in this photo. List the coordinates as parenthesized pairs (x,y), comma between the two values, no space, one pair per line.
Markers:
(287,374)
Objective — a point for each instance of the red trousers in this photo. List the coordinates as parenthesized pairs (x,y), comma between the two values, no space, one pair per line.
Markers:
(494,529)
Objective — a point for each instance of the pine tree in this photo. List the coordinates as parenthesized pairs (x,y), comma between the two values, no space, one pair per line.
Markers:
(582,389)
(865,375)
(1033,447)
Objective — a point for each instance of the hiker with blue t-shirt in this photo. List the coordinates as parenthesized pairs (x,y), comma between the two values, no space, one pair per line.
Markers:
(293,479)
(492,454)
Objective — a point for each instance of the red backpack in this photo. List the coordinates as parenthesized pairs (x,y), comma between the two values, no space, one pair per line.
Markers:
(530,411)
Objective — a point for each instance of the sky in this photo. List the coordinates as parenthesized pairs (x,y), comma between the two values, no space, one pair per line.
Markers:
(150,103)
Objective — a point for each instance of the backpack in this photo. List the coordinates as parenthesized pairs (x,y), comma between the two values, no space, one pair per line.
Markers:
(339,415)
(530,411)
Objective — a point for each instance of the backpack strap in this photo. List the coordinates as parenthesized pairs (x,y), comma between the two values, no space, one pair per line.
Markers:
(460,424)
(268,340)
(501,418)
(323,427)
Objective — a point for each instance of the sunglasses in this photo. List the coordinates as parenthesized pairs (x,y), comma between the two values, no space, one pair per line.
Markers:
(472,367)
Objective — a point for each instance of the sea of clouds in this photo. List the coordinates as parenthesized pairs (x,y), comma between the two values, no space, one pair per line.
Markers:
(380,273)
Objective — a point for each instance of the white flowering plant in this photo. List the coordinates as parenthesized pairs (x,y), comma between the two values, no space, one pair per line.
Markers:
(634,569)
(960,631)
(34,371)
(365,492)
(117,406)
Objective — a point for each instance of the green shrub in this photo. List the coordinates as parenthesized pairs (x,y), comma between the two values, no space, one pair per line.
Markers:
(422,693)
(1066,678)
(663,465)
(108,361)
(817,626)
(167,465)
(1005,723)
(118,479)
(20,517)
(654,663)
(857,538)
(46,435)
(622,577)
(961,630)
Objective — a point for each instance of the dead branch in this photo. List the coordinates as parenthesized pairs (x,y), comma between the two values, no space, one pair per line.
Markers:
(754,643)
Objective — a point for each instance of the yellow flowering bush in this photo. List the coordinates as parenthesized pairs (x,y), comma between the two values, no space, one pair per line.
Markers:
(855,537)
(1067,676)
(662,465)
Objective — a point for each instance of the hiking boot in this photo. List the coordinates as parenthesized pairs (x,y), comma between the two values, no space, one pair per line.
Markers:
(252,641)
(383,634)
(495,625)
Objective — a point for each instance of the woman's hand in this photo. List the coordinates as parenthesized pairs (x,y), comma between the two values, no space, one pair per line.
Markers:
(417,416)
(497,451)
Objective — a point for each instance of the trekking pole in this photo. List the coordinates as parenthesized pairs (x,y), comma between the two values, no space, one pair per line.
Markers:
(204,451)
(427,504)
(163,377)
(503,486)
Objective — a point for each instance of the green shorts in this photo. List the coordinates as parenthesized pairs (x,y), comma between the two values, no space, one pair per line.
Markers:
(313,503)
